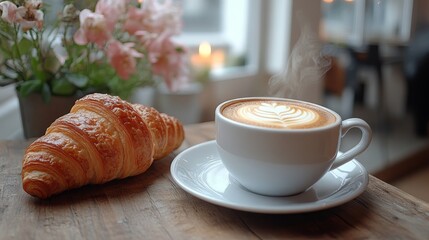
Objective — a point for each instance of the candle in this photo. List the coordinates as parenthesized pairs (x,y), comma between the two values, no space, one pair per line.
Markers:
(218,59)
(203,58)
(202,62)
(208,59)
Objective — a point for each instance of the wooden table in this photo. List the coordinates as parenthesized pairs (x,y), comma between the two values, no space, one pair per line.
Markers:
(152,206)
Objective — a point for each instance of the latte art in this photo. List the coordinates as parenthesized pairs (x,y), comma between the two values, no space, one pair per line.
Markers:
(278,114)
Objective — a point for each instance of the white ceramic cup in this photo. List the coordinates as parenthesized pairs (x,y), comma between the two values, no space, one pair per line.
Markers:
(281,162)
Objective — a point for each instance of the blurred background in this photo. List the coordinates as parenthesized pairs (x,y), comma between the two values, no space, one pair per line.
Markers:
(379,70)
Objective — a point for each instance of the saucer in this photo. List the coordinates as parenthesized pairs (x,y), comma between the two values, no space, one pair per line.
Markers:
(199,171)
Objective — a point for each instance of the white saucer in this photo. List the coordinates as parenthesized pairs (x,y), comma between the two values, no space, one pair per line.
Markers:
(199,171)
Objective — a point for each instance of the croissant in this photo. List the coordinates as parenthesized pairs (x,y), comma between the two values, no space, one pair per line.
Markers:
(101,139)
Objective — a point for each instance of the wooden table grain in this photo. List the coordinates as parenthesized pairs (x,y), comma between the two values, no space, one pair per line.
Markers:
(152,206)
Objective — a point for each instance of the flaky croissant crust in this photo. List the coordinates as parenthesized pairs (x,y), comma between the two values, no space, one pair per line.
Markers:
(101,139)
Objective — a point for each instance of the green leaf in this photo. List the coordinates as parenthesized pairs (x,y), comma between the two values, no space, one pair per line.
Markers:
(62,87)
(37,69)
(28,87)
(78,80)
(46,93)
(5,49)
(51,63)
(25,46)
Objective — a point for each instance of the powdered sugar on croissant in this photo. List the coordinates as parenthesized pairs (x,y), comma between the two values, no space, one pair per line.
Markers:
(101,139)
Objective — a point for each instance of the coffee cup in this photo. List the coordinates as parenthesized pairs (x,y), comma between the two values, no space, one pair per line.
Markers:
(281,147)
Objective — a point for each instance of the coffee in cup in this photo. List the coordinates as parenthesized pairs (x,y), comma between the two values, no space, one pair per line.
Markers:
(280,147)
(277,114)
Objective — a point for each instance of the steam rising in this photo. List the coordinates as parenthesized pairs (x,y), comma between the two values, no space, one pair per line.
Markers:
(306,64)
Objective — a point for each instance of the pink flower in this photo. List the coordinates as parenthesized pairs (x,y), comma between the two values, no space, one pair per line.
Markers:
(8,11)
(154,17)
(122,58)
(93,28)
(30,15)
(168,60)
(112,10)
(134,20)
(33,4)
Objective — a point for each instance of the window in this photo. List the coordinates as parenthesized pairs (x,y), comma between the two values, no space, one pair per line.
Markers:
(359,21)
(388,20)
(225,26)
(202,16)
(342,21)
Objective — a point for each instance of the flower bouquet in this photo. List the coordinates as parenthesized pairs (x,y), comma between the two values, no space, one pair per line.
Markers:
(113,48)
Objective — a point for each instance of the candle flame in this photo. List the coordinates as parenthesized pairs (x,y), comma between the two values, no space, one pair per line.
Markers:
(205,49)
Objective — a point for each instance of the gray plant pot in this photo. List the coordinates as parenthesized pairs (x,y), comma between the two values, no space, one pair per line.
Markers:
(37,116)
(184,104)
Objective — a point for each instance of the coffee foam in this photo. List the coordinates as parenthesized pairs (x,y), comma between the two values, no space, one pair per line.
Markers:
(278,114)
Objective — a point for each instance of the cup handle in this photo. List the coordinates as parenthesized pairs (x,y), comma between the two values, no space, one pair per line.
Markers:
(358,148)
